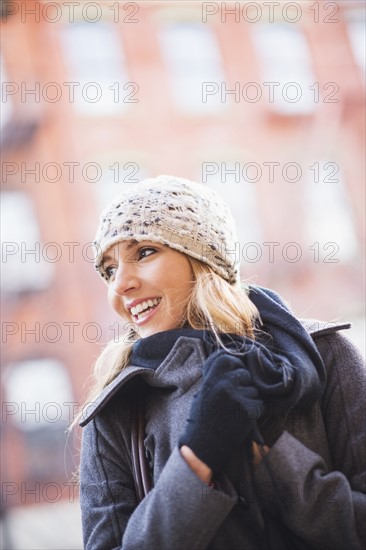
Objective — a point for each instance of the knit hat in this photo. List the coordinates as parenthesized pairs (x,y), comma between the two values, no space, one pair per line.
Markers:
(187,216)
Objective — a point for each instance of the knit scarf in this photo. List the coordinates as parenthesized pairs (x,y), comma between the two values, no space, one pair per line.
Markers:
(284,363)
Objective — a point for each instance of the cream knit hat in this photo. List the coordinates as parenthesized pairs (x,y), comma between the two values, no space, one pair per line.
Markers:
(182,214)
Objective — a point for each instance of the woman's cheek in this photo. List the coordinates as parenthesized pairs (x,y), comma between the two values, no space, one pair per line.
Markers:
(114,301)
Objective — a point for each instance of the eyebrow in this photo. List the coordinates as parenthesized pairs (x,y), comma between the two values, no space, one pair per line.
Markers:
(129,245)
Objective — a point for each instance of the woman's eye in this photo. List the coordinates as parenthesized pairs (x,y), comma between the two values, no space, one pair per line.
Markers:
(145,251)
(109,271)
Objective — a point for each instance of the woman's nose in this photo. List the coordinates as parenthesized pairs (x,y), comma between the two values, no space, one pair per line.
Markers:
(126,278)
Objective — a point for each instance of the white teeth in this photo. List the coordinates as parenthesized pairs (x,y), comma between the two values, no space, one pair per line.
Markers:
(142,306)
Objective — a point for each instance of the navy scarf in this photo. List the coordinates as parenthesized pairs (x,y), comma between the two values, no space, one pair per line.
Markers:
(285,364)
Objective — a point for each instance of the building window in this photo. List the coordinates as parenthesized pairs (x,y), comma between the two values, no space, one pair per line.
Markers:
(240,194)
(286,68)
(39,403)
(18,121)
(41,392)
(356,33)
(95,57)
(6,107)
(118,172)
(24,267)
(329,222)
(194,63)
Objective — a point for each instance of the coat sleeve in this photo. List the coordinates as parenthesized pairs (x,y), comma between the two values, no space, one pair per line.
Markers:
(170,516)
(325,507)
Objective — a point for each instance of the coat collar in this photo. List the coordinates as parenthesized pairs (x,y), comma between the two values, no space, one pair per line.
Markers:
(176,348)
(317,328)
(193,341)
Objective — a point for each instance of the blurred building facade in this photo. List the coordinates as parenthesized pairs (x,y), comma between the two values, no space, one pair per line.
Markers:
(263,103)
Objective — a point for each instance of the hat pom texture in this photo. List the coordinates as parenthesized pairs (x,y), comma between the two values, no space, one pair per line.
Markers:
(185,215)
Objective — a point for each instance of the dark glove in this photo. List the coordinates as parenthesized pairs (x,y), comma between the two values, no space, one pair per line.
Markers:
(223,414)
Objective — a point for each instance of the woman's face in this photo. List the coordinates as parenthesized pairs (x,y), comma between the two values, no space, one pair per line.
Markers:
(149,284)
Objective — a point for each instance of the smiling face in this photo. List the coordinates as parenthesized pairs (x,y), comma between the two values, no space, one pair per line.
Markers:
(149,284)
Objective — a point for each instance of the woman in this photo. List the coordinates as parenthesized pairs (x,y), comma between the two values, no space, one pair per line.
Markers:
(253,431)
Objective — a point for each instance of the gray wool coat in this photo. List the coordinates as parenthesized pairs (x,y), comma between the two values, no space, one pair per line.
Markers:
(309,492)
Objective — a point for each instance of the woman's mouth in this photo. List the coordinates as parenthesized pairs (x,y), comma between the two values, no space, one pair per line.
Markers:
(144,309)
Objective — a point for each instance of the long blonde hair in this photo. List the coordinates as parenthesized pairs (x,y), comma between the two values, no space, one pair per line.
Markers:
(213,305)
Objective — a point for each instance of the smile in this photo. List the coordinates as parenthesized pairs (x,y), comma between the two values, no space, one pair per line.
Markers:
(144,309)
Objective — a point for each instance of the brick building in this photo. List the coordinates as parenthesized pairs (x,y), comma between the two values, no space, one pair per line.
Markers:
(263,102)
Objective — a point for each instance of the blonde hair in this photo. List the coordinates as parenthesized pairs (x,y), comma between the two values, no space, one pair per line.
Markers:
(213,305)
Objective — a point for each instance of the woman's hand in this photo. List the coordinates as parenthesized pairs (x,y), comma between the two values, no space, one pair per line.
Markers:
(205,473)
(258,453)
(223,413)
(200,468)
